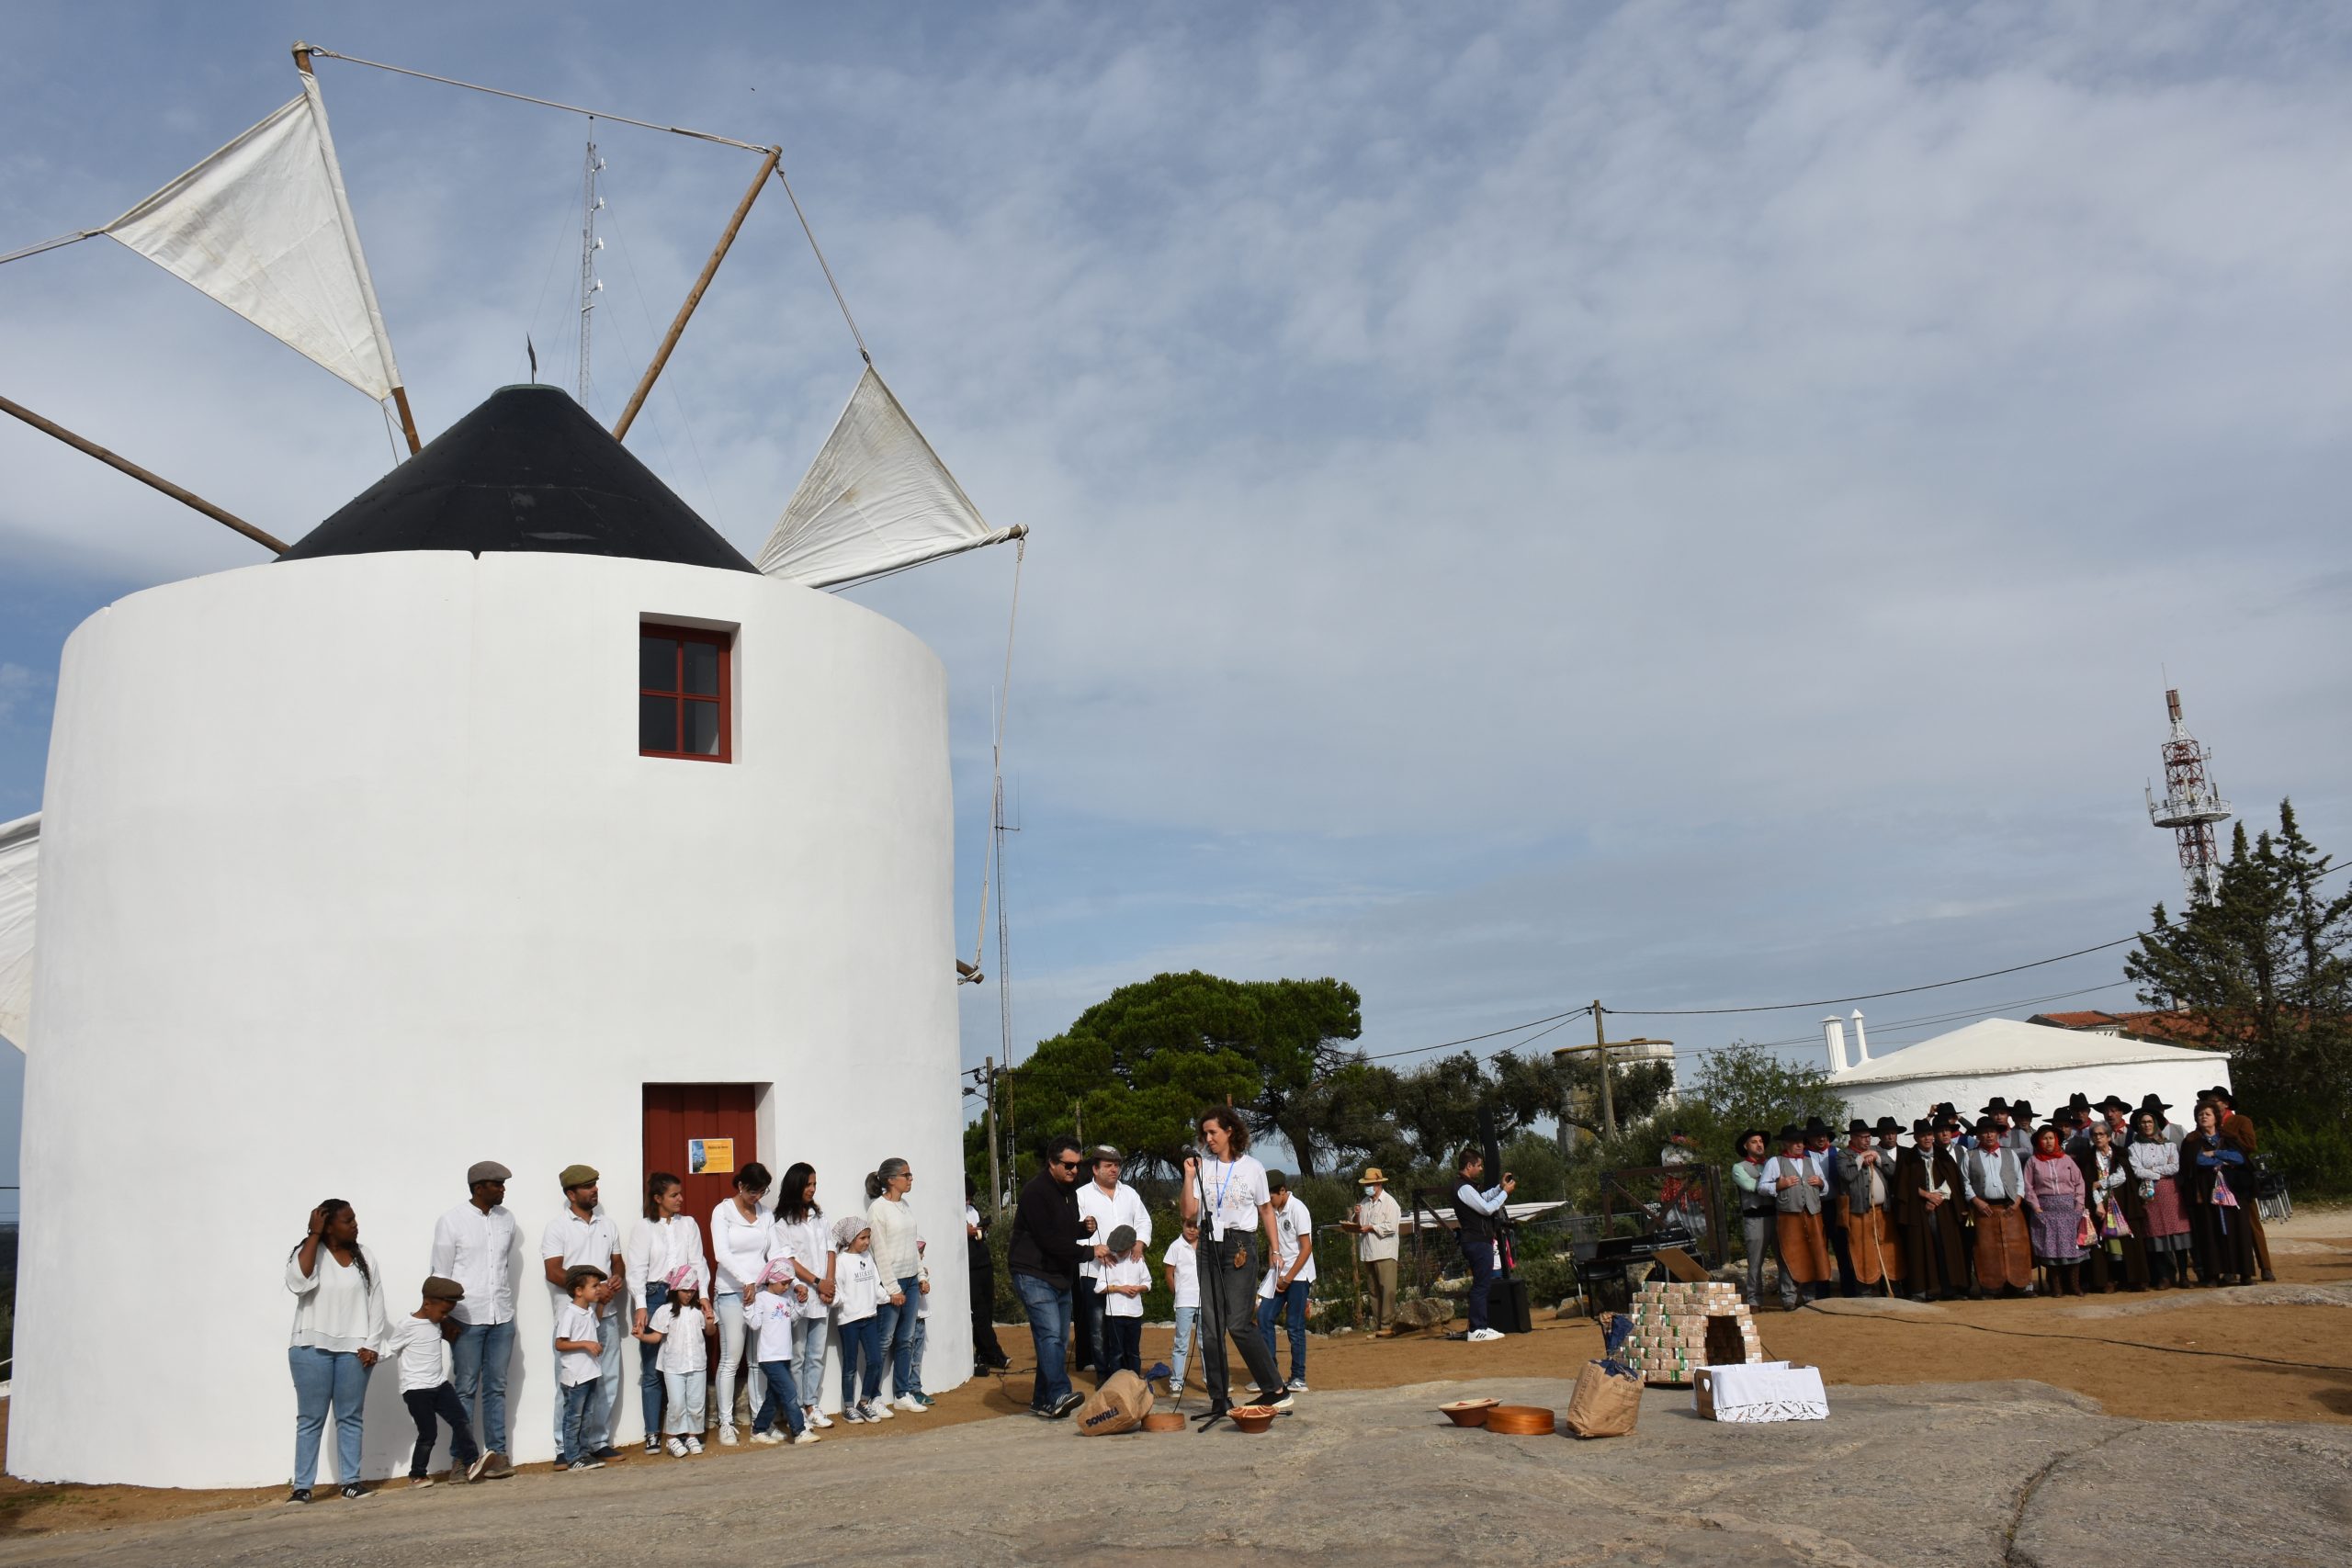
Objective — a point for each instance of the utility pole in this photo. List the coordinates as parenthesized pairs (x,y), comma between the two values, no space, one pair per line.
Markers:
(1608,1102)
(996,1179)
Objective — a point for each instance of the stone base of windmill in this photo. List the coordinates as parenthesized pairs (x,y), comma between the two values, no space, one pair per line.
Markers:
(1681,1327)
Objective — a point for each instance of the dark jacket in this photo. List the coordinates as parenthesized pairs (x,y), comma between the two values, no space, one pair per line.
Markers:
(1045,1230)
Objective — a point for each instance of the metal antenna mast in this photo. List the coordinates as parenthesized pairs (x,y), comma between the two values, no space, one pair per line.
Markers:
(590,284)
(2190,808)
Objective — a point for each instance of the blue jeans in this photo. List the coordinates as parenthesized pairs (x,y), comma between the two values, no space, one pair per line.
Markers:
(1048,1308)
(782,1396)
(862,1336)
(899,1336)
(914,1354)
(478,1360)
(321,1377)
(650,1387)
(808,1362)
(1188,1322)
(573,1414)
(598,1435)
(1291,1302)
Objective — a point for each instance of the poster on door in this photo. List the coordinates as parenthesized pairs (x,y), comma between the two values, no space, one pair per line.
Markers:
(710,1156)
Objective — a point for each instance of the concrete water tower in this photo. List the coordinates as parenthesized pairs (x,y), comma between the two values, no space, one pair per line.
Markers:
(511,814)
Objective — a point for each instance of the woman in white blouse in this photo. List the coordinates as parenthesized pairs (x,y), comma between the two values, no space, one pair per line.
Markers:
(741,1228)
(898,1257)
(804,1239)
(339,1329)
(666,1240)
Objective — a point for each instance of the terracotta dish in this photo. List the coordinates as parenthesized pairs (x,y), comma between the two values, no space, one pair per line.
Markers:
(1252,1418)
(1164,1421)
(1468,1412)
(1520,1420)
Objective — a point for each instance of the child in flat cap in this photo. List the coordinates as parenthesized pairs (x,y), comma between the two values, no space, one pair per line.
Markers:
(419,1345)
(1125,1280)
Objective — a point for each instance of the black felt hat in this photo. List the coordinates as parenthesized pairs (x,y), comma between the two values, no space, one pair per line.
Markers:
(1791,1133)
(1996,1106)
(1814,1127)
(2113,1102)
(1857,1128)
(2021,1111)
(1887,1124)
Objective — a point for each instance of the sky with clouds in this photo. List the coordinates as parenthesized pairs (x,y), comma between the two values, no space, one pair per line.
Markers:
(1687,505)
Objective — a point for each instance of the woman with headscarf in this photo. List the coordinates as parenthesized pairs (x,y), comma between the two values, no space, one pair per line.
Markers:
(2154,1163)
(2219,1187)
(2114,1257)
(2056,1203)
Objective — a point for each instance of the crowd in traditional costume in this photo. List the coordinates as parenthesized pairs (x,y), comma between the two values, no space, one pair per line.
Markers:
(2104,1197)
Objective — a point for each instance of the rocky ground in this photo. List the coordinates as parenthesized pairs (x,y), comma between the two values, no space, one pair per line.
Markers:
(1974,1475)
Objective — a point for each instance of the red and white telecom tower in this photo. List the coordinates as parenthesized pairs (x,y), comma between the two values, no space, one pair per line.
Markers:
(2190,806)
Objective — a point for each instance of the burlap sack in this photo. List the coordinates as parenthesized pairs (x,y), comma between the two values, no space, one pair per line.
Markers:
(1119,1405)
(1604,1406)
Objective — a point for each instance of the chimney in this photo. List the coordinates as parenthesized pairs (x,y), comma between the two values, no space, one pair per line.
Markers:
(1833,1034)
(1862,1040)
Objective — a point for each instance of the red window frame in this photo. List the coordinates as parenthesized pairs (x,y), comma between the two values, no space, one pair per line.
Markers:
(725,700)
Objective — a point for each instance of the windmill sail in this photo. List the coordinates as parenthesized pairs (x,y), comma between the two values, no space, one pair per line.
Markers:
(877,499)
(19,863)
(263,227)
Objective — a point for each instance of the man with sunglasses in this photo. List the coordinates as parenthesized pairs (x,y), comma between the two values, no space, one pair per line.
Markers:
(1043,1259)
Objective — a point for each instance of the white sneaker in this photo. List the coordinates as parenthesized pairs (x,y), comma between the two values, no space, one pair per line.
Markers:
(694,1444)
(676,1447)
(910,1403)
(1285,1402)
(805,1435)
(874,1410)
(1296,1385)
(726,1437)
(817,1418)
(768,1438)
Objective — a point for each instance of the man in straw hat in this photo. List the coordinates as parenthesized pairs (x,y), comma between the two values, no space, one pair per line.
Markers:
(1373,1222)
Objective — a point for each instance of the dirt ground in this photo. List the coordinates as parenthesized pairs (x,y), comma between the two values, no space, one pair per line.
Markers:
(2192,1362)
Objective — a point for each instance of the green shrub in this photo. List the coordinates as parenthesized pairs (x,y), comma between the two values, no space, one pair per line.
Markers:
(2314,1156)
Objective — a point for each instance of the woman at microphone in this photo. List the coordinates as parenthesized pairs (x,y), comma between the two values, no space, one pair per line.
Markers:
(1225,1193)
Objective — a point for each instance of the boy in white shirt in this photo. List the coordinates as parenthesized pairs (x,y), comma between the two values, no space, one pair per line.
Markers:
(1125,1280)
(773,1316)
(419,1344)
(680,1329)
(1184,1284)
(577,1348)
(1283,1292)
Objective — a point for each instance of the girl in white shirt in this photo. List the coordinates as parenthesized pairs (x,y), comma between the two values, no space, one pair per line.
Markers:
(803,1236)
(858,1298)
(339,1331)
(676,1337)
(665,1241)
(740,1230)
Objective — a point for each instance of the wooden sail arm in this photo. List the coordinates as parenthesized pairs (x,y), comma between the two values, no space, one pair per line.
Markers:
(145,475)
(694,295)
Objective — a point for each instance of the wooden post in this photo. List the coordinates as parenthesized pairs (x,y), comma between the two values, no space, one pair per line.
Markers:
(186,498)
(694,296)
(1608,1102)
(996,1179)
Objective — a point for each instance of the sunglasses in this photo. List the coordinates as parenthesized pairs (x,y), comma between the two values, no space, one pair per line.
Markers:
(1064,1165)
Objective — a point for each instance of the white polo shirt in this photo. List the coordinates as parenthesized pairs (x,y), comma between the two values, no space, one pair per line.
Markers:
(595,1242)
(1109,1211)
(473,1248)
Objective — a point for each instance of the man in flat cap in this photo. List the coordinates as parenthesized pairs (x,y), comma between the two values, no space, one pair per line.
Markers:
(1103,1205)
(585,1234)
(471,1245)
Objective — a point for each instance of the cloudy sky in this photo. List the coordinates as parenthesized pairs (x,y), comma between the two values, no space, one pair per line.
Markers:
(1687,505)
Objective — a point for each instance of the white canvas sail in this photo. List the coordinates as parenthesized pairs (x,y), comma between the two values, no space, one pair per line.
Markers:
(877,499)
(263,227)
(19,858)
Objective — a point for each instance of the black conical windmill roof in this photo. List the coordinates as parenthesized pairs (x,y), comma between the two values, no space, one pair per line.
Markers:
(528,471)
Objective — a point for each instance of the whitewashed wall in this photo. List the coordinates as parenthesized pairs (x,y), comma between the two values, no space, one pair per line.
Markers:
(352,875)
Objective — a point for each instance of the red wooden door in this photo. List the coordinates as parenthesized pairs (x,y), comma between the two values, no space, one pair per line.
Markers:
(678,1114)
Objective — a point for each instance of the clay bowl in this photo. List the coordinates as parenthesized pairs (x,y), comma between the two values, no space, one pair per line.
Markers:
(1520,1420)
(1164,1421)
(1468,1412)
(1252,1418)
